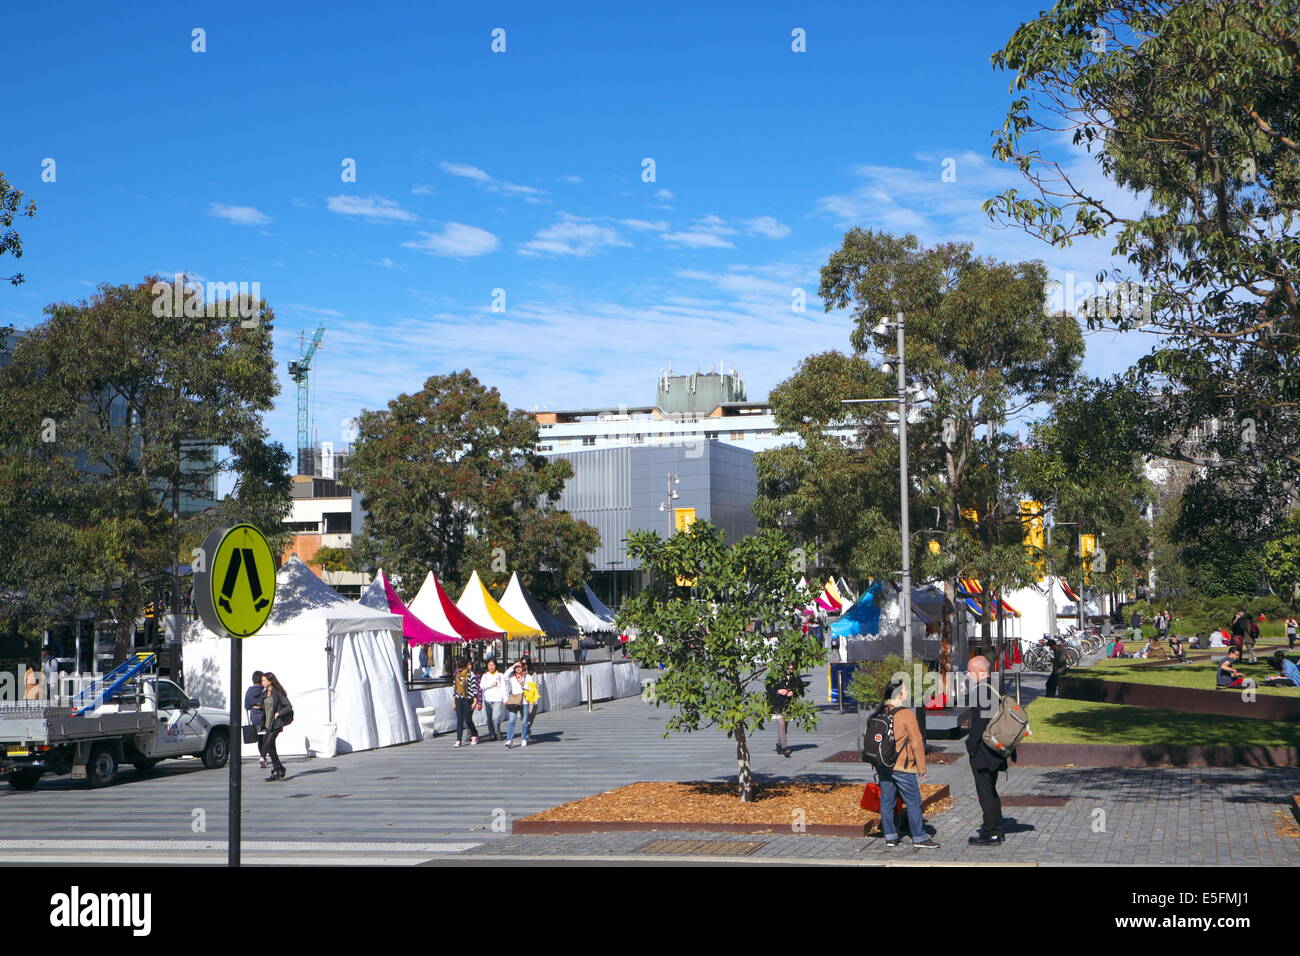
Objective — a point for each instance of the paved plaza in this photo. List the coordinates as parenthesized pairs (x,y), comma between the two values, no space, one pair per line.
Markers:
(429,802)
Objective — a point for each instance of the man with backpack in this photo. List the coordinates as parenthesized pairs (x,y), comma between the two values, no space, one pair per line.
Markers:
(894,745)
(989,751)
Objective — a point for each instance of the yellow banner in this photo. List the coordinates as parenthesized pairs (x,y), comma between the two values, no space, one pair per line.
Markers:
(1087,545)
(683,518)
(1031,516)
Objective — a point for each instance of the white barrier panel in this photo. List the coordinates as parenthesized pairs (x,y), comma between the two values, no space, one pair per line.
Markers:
(627,679)
(560,690)
(600,679)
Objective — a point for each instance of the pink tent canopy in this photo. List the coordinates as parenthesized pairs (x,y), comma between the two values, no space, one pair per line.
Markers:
(413,629)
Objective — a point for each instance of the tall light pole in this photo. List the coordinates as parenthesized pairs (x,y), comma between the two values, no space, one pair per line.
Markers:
(667,504)
(903,478)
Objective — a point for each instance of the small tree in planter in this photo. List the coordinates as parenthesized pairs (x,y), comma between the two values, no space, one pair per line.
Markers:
(718,619)
(870,679)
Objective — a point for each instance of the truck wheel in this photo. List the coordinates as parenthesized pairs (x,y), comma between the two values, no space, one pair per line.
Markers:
(144,764)
(102,767)
(23,779)
(217,752)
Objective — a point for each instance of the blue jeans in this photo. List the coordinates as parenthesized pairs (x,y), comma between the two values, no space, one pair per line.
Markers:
(465,717)
(522,716)
(892,784)
(493,712)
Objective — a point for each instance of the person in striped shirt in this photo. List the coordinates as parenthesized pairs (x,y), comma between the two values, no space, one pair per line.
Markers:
(467,697)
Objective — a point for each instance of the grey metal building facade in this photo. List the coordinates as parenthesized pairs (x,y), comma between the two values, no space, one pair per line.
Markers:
(617,490)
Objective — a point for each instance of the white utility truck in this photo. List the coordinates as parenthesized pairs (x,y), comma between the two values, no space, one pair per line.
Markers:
(125,716)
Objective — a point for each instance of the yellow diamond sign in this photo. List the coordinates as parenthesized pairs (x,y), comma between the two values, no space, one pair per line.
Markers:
(234,584)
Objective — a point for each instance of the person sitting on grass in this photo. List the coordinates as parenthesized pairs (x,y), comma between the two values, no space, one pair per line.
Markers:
(1118,649)
(1228,675)
(1155,650)
(1289,673)
(1176,648)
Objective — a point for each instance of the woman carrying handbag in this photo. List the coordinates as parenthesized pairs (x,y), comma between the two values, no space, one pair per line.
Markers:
(520,687)
(277,714)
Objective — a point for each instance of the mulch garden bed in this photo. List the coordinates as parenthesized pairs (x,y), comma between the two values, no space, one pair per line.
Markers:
(819,808)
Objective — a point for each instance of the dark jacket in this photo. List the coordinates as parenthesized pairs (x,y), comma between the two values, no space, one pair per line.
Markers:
(253,704)
(275,703)
(779,702)
(981,757)
(1060,664)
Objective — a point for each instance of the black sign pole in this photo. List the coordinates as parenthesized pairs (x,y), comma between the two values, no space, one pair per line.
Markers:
(236,747)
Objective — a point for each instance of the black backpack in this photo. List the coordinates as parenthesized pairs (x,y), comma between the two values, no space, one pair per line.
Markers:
(879,747)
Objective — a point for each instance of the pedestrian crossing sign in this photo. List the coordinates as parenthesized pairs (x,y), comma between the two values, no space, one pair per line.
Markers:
(234,589)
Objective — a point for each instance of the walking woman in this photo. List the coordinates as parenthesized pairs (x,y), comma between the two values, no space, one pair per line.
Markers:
(492,684)
(904,777)
(253,698)
(466,696)
(277,714)
(1292,631)
(517,693)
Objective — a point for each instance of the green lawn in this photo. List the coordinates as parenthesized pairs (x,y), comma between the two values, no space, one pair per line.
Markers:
(1196,674)
(1058,721)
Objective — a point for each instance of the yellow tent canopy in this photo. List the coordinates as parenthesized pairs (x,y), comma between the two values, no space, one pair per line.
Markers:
(479,605)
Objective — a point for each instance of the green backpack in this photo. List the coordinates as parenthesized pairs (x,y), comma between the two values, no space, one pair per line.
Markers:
(1008,725)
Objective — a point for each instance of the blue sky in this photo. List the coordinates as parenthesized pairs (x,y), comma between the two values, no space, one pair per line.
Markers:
(519,171)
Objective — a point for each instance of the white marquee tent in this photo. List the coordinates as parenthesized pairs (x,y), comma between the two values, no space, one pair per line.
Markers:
(339,661)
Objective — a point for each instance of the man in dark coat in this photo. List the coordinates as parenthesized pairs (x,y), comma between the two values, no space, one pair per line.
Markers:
(985,764)
(1059,665)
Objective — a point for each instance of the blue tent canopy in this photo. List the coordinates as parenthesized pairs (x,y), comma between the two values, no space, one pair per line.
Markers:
(864,616)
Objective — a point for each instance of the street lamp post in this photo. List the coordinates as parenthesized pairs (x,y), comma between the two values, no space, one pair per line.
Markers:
(903,479)
(667,504)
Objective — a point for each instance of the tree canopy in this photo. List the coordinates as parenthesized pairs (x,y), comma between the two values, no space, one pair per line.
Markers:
(452,482)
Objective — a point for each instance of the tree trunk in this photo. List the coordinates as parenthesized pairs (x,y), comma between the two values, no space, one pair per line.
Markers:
(742,758)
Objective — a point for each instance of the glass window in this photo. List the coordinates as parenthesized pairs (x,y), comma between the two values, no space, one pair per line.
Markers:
(170,696)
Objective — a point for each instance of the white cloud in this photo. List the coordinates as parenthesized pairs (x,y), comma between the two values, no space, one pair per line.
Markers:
(644,225)
(698,239)
(311,310)
(385,263)
(457,241)
(665,194)
(767,227)
(239,215)
(420,189)
(571,236)
(369,207)
(466,171)
(482,178)
(570,179)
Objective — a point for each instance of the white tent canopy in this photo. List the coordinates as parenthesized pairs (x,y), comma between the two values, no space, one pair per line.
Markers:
(340,663)
(598,607)
(513,603)
(586,621)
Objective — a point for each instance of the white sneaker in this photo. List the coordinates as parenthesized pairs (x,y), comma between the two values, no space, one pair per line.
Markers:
(456,744)
(524,744)
(473,742)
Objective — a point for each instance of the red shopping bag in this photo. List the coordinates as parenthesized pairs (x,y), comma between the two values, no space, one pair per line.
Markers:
(871,799)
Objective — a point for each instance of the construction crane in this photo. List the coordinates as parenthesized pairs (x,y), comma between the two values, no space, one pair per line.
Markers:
(300,371)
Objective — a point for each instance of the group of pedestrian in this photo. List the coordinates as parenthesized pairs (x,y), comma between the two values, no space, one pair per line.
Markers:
(269,712)
(498,694)
(903,778)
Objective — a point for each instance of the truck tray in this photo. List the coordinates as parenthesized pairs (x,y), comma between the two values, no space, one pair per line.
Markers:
(40,722)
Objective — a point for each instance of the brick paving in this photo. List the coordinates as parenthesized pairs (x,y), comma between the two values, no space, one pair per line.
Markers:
(392,804)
